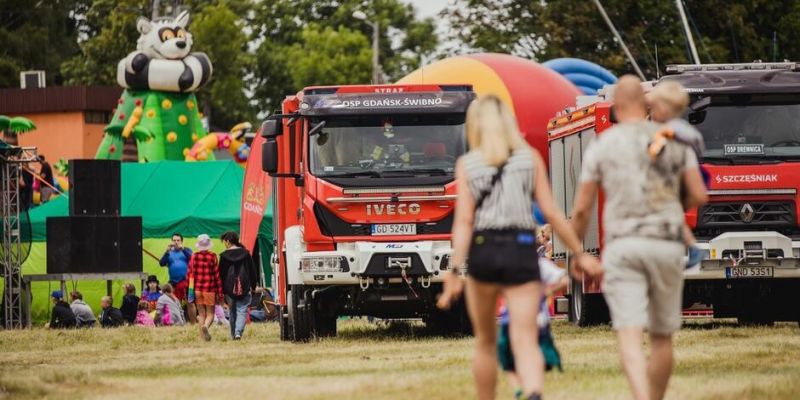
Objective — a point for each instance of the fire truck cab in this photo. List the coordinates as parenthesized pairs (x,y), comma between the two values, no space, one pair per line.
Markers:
(364,203)
(749,230)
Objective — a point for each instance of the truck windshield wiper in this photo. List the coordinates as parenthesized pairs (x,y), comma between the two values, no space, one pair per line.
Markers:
(372,174)
(417,171)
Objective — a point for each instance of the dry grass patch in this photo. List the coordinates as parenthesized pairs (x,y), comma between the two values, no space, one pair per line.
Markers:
(369,361)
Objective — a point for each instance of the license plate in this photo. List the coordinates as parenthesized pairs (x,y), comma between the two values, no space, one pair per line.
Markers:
(748,272)
(394,229)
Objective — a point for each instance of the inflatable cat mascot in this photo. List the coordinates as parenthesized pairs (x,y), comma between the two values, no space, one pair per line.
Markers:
(158,109)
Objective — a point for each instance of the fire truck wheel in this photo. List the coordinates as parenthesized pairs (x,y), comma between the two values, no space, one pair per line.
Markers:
(298,316)
(324,325)
(284,326)
(452,322)
(587,309)
(751,316)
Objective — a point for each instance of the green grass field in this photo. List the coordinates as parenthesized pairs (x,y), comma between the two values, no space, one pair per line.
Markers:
(373,361)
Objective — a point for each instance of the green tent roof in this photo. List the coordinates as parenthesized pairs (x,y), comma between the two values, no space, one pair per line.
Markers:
(170,196)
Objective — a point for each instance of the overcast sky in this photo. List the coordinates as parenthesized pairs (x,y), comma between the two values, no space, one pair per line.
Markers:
(428,8)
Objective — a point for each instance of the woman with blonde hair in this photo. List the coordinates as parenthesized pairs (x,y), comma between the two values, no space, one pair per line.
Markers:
(494,229)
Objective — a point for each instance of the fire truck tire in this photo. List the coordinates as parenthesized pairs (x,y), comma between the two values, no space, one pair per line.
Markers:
(284,326)
(324,325)
(752,316)
(452,322)
(298,316)
(587,309)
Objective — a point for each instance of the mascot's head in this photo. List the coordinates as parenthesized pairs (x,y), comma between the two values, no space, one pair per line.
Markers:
(164,38)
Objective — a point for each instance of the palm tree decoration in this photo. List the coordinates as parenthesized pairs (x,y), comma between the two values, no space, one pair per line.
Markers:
(13,126)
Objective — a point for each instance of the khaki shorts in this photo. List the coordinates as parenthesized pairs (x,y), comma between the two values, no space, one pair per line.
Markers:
(643,283)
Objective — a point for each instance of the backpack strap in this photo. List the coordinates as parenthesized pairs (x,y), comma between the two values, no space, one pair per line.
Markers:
(486,192)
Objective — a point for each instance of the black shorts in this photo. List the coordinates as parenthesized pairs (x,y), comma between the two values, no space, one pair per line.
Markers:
(507,257)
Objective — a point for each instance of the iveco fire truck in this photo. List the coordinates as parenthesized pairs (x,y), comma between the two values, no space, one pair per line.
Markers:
(749,230)
(364,196)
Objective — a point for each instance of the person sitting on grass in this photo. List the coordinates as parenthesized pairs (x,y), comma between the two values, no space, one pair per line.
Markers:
(554,279)
(262,308)
(130,303)
(152,293)
(143,317)
(110,317)
(62,316)
(83,313)
(168,308)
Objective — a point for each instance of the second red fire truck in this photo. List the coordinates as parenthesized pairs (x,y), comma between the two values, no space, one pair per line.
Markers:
(749,230)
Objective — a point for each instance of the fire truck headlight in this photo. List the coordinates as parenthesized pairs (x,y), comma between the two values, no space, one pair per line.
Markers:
(324,264)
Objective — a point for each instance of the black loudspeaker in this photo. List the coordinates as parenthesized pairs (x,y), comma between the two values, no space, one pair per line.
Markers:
(94,187)
(130,249)
(94,244)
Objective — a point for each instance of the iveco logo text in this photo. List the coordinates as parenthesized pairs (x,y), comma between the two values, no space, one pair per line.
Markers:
(393,209)
(746,178)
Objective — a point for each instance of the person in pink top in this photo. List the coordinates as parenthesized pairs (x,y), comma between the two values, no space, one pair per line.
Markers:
(143,317)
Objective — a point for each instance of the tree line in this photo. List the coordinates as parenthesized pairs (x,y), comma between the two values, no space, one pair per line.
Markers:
(263,50)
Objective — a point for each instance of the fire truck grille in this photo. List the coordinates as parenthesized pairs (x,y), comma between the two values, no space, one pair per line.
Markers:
(331,225)
(717,218)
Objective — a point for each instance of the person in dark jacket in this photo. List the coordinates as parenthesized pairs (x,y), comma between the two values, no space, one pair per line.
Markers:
(130,303)
(110,317)
(46,173)
(239,279)
(62,315)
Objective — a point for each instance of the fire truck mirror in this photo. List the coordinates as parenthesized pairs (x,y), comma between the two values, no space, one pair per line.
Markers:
(269,129)
(269,156)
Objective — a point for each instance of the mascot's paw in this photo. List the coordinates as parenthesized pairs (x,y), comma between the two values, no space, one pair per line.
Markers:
(139,62)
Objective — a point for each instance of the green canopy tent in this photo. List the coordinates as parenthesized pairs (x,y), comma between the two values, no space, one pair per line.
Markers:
(171,196)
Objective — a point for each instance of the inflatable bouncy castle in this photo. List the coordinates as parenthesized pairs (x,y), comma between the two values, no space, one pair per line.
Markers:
(157,113)
(586,75)
(535,93)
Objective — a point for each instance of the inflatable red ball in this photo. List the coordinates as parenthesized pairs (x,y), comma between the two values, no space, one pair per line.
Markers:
(535,93)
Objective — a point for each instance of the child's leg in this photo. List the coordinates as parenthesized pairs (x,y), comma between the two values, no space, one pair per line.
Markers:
(514,382)
(695,255)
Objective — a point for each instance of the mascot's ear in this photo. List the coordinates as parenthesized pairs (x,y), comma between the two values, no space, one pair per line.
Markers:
(143,25)
(182,19)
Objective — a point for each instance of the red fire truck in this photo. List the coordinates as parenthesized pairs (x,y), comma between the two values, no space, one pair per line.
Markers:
(749,230)
(363,202)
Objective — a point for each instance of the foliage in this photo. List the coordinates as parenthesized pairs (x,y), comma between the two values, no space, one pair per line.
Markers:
(218,31)
(110,27)
(281,25)
(37,36)
(327,56)
(724,31)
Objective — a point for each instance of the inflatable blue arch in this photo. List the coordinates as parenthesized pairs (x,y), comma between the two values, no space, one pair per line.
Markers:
(586,75)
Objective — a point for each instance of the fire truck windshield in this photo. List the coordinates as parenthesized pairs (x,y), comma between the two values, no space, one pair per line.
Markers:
(387,145)
(758,127)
